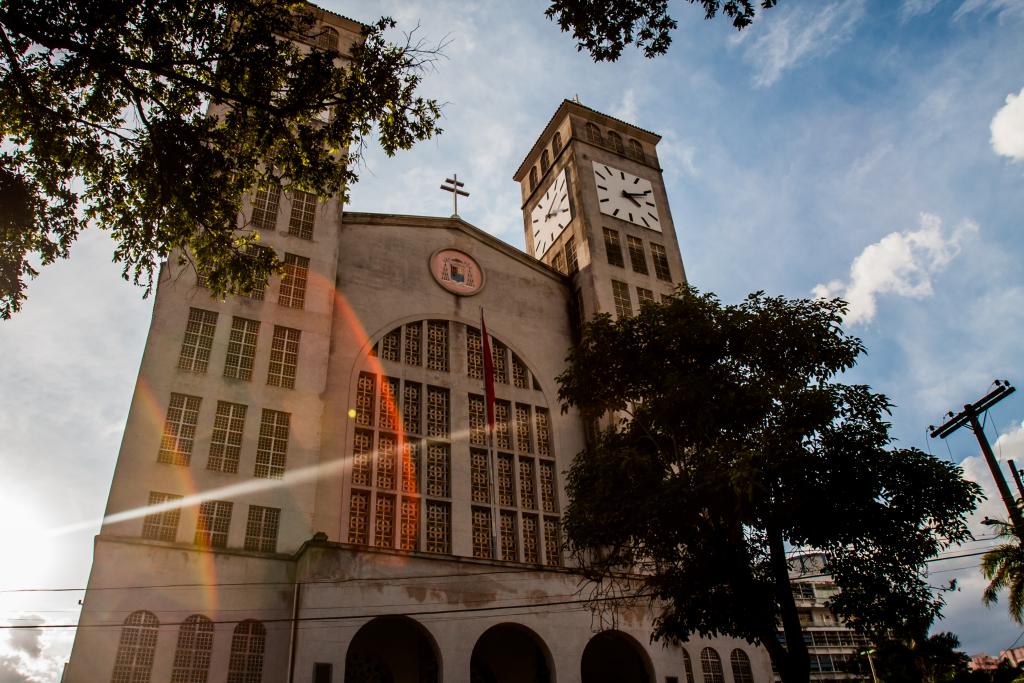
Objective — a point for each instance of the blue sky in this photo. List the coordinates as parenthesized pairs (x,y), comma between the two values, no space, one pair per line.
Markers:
(873,150)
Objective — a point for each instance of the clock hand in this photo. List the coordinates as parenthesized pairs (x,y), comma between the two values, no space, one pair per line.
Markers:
(630,197)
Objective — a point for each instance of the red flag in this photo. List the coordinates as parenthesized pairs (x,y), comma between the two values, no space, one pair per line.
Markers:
(488,373)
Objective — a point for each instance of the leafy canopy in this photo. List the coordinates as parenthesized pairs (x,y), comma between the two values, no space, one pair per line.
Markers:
(104,121)
(1003,566)
(735,443)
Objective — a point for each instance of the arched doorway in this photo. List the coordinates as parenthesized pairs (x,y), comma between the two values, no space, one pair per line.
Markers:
(510,653)
(614,657)
(392,650)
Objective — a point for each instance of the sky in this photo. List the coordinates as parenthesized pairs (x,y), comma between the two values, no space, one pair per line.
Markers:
(869,149)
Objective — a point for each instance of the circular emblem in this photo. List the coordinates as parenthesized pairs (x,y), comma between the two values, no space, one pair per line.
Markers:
(457,272)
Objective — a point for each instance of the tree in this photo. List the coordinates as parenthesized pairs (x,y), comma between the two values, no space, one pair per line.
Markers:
(1003,566)
(732,442)
(604,27)
(103,122)
(935,659)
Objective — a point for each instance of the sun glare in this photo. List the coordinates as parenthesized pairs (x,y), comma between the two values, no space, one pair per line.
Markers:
(28,546)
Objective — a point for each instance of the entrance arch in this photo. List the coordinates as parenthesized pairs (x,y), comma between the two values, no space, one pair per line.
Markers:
(510,653)
(392,649)
(615,657)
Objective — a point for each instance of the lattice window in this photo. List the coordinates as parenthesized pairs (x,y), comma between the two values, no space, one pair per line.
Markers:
(481,533)
(362,454)
(688,665)
(477,420)
(502,424)
(272,445)
(660,259)
(261,529)
(413,344)
(241,348)
(474,353)
(391,345)
(438,527)
(552,542)
(506,483)
(507,535)
(571,264)
(635,150)
(613,247)
(265,204)
(644,296)
(366,386)
(384,524)
(411,467)
(558,262)
(134,660)
(740,663)
(192,654)
(556,144)
(410,527)
(548,498)
(284,357)
(545,161)
(292,293)
(520,378)
(226,440)
(248,645)
(179,429)
(388,403)
(437,345)
(412,397)
(303,214)
(438,467)
(620,293)
(523,438)
(438,414)
(527,489)
(711,663)
(615,141)
(328,38)
(533,178)
(479,479)
(213,524)
(254,251)
(195,347)
(387,455)
(531,551)
(499,352)
(637,258)
(162,526)
(359,517)
(593,133)
(540,416)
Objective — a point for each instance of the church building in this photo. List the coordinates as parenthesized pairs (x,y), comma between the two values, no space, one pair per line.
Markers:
(306,491)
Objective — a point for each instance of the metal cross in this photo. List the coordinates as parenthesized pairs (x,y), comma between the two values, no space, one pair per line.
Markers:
(453,186)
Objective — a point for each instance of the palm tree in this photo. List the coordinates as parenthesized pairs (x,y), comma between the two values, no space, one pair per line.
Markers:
(1003,566)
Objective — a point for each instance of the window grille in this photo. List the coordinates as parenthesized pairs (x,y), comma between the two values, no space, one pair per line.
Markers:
(365,391)
(477,421)
(540,415)
(545,161)
(179,430)
(620,293)
(502,426)
(213,524)
(411,467)
(284,357)
(531,553)
(570,256)
(613,247)
(241,348)
(615,141)
(248,645)
(292,293)
(556,144)
(711,663)
(411,398)
(499,352)
(558,262)
(474,354)
(303,214)
(644,296)
(637,258)
(527,491)
(162,526)
(636,150)
(133,662)
(192,654)
(384,525)
(548,497)
(388,403)
(479,479)
(328,38)
(195,347)
(438,466)
(437,412)
(437,345)
(226,440)
(594,133)
(362,452)
(533,178)
(740,663)
(523,437)
(253,251)
(507,533)
(391,346)
(387,454)
(552,542)
(261,529)
(410,531)
(506,487)
(265,204)
(272,446)
(413,351)
(438,527)
(688,665)
(358,517)
(520,377)
(481,533)
(660,259)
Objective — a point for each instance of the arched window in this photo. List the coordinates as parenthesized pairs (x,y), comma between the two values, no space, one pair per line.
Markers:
(192,655)
(245,665)
(556,144)
(740,662)
(328,39)
(593,133)
(545,162)
(635,150)
(533,179)
(134,660)
(688,665)
(711,663)
(615,141)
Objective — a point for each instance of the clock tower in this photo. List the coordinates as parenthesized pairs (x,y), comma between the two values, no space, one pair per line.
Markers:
(595,208)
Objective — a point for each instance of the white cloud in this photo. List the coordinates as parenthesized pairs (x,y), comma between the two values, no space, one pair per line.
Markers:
(915,8)
(792,37)
(626,109)
(1002,8)
(1008,128)
(900,263)
(27,640)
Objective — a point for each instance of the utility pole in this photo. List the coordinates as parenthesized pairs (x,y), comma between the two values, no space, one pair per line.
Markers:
(969,416)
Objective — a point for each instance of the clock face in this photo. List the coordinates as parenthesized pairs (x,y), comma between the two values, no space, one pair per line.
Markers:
(552,213)
(626,196)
